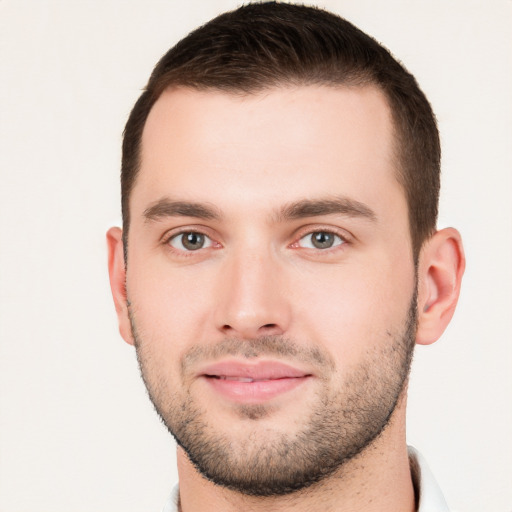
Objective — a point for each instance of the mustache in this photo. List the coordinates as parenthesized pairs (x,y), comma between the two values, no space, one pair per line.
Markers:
(275,346)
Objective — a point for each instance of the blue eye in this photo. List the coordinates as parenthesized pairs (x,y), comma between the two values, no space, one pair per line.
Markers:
(320,240)
(190,241)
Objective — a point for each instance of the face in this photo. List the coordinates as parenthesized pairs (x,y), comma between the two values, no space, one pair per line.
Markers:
(270,279)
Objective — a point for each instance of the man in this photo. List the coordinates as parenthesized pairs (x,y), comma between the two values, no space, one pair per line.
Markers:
(279,260)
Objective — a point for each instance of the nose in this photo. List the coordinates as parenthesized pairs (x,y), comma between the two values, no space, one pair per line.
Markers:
(253,300)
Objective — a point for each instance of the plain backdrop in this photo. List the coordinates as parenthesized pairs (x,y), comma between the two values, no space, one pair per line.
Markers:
(77,433)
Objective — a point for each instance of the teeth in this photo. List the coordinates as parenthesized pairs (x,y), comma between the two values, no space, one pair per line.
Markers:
(239,379)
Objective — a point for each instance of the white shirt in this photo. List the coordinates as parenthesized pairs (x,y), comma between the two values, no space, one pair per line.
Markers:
(430,496)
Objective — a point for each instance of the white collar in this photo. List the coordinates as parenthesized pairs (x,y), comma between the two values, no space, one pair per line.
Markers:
(431,498)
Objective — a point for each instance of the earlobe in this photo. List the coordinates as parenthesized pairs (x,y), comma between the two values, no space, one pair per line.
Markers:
(117,274)
(440,270)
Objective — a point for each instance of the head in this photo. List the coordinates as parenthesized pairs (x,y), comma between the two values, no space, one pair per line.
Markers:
(260,46)
(279,258)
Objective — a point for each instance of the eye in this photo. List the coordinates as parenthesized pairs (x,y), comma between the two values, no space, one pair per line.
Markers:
(320,240)
(190,241)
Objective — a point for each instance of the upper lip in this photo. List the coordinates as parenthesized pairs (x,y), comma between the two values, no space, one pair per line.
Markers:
(257,370)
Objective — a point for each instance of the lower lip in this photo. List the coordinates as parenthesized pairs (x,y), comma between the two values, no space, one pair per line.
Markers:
(256,391)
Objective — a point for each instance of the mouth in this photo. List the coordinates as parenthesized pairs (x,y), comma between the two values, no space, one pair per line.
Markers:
(253,383)
(238,379)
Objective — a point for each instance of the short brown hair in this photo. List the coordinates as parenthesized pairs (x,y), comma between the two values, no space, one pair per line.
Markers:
(261,45)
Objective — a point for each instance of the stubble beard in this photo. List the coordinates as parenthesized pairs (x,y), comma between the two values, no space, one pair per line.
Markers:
(341,424)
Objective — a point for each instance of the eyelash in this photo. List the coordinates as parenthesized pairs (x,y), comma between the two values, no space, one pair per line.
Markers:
(166,240)
(344,239)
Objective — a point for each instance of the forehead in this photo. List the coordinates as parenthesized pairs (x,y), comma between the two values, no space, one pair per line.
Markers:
(277,145)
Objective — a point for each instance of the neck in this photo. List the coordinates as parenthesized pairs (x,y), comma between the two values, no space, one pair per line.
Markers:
(377,480)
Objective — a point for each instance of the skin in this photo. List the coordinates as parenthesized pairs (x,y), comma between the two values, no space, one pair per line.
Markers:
(247,159)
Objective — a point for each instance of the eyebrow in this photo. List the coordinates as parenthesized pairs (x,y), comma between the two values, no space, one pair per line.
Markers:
(338,205)
(166,207)
(304,208)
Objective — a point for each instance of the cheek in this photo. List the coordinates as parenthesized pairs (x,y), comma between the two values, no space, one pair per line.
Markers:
(170,306)
(351,311)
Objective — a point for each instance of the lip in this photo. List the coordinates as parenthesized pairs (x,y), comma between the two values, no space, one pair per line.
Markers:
(256,382)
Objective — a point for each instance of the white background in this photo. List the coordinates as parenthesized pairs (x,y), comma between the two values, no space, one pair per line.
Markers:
(77,433)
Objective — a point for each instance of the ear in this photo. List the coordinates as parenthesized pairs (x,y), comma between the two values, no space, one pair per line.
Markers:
(440,270)
(117,273)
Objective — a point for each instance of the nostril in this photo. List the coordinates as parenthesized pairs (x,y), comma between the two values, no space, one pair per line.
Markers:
(250,331)
(269,329)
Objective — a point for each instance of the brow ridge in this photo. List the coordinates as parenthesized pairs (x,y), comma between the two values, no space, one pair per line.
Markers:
(333,205)
(303,208)
(166,207)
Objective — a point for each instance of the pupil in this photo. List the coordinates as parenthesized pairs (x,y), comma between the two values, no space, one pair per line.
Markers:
(322,240)
(193,241)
